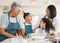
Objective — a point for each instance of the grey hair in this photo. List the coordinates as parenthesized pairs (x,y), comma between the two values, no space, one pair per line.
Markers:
(15,5)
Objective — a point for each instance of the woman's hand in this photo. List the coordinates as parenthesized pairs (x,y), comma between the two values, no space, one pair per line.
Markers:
(18,37)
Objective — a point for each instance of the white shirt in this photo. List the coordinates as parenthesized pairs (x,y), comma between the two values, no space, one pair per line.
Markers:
(40,31)
(13,20)
(29,24)
(4,21)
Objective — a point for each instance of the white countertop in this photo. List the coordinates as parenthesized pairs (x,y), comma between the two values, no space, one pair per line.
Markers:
(15,40)
(29,40)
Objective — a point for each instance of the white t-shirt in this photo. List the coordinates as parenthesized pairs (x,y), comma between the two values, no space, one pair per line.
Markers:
(40,31)
(4,21)
(29,24)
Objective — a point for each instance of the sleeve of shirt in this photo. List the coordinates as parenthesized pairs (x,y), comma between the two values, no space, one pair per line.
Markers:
(22,26)
(21,23)
(33,27)
(3,21)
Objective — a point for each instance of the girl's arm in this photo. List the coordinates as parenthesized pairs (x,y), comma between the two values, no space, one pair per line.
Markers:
(23,33)
(52,35)
(33,30)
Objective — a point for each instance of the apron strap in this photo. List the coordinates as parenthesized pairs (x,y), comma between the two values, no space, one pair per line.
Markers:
(16,19)
(30,23)
(52,20)
(9,18)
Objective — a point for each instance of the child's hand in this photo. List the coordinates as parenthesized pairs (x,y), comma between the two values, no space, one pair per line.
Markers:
(46,36)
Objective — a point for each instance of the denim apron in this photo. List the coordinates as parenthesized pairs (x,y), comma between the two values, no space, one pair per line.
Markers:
(12,28)
(28,29)
(41,31)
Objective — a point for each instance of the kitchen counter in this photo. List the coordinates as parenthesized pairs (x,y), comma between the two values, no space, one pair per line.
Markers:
(34,39)
(15,40)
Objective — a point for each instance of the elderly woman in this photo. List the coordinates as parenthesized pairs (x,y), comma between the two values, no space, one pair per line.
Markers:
(10,25)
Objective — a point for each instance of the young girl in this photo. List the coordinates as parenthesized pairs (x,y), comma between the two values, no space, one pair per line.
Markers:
(28,25)
(47,26)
